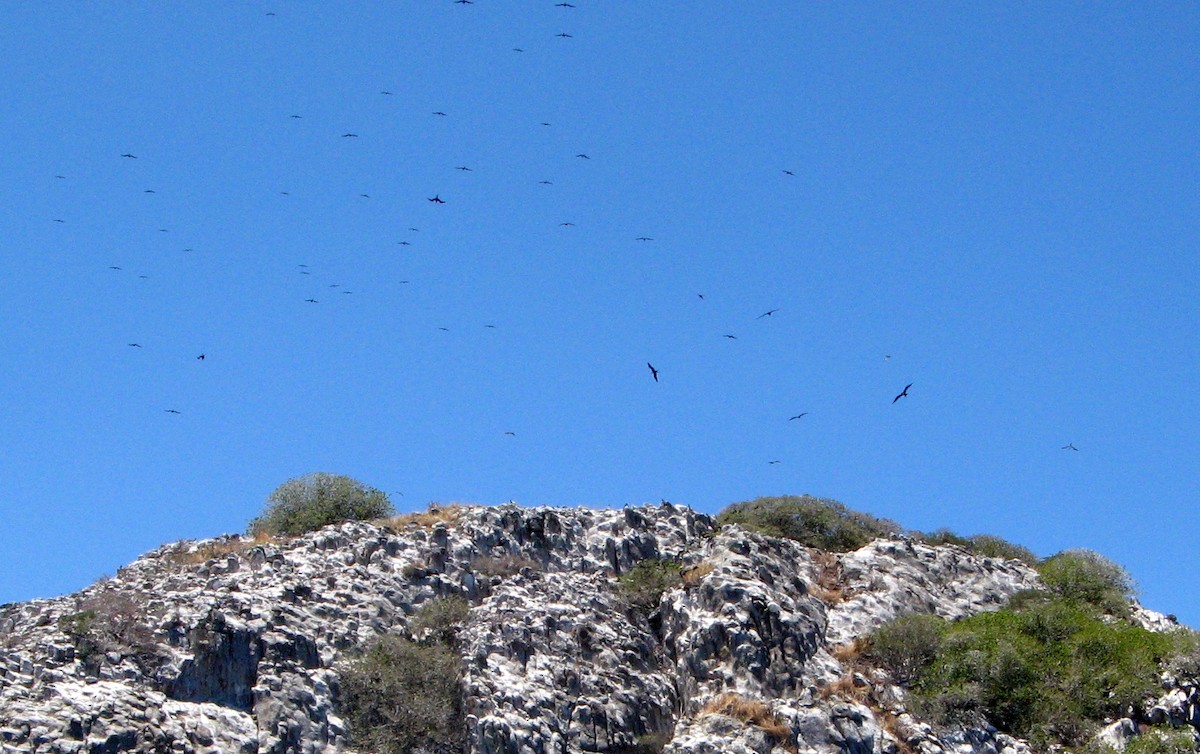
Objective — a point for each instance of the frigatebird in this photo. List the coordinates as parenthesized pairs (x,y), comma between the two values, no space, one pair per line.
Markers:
(171,411)
(653,371)
(788,172)
(563,34)
(311,301)
(404,243)
(799,416)
(437,199)
(903,393)
(463,168)
(731,337)
(766,314)
(200,357)
(349,136)
(566,225)
(135,345)
(130,156)
(583,156)
(439,112)
(643,238)
(1070,446)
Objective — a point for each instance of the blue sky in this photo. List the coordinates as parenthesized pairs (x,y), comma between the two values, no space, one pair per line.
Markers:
(995,204)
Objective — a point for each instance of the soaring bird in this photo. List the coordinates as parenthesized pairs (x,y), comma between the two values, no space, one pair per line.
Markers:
(563,34)
(135,345)
(464,168)
(59,221)
(772,463)
(643,238)
(766,314)
(171,411)
(404,243)
(653,371)
(583,156)
(349,136)
(149,191)
(439,112)
(566,225)
(437,199)
(297,117)
(546,183)
(799,416)
(903,393)
(563,5)
(311,300)
(200,357)
(385,92)
(788,172)
(1070,446)
(731,337)
(511,434)
(130,156)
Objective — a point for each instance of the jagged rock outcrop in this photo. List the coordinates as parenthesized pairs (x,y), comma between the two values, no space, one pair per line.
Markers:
(232,645)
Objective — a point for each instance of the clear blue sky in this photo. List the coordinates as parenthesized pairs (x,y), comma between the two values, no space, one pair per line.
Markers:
(1003,200)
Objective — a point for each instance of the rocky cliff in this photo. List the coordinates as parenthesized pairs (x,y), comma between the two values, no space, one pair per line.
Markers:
(235,645)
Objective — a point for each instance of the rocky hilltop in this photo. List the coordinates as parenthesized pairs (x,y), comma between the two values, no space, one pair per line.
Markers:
(236,645)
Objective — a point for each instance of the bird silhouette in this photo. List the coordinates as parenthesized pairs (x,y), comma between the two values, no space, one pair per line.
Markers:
(297,117)
(200,357)
(130,156)
(643,238)
(464,168)
(1070,446)
(731,337)
(583,156)
(563,5)
(134,345)
(311,301)
(149,191)
(385,92)
(653,371)
(903,393)
(436,199)
(788,172)
(113,268)
(349,136)
(172,411)
(772,463)
(546,183)
(511,434)
(59,221)
(404,243)
(799,416)
(766,314)
(439,112)
(566,225)
(563,34)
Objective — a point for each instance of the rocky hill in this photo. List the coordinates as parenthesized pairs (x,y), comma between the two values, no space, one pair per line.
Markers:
(237,645)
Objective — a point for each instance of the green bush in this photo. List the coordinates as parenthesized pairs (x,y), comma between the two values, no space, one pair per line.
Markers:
(644,584)
(1163,741)
(906,645)
(1047,672)
(441,618)
(811,521)
(1088,577)
(984,545)
(311,501)
(402,696)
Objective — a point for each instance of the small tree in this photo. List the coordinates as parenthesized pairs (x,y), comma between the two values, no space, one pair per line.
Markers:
(1088,577)
(309,502)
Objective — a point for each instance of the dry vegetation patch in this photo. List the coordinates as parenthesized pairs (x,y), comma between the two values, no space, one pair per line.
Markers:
(749,711)
(694,575)
(427,519)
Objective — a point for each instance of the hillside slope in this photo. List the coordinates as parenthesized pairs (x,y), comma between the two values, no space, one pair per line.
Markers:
(232,645)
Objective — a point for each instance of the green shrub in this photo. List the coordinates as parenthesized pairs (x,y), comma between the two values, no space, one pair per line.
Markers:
(401,696)
(311,501)
(1088,577)
(811,521)
(984,545)
(906,645)
(1047,672)
(1163,741)
(644,584)
(441,618)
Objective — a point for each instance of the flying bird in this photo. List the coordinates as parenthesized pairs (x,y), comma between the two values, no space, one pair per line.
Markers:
(788,172)
(297,117)
(563,34)
(903,393)
(643,238)
(1070,446)
(311,301)
(563,5)
(130,156)
(546,183)
(766,314)
(700,296)
(463,168)
(149,191)
(772,463)
(200,357)
(135,345)
(799,416)
(113,268)
(511,434)
(437,199)
(583,156)
(385,92)
(566,225)
(404,243)
(439,112)
(171,410)
(349,136)
(731,337)
(59,221)
(653,371)
(365,196)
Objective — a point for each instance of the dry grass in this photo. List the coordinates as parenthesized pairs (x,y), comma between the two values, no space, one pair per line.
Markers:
(694,575)
(890,725)
(845,688)
(848,654)
(751,712)
(505,566)
(210,550)
(828,586)
(436,514)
